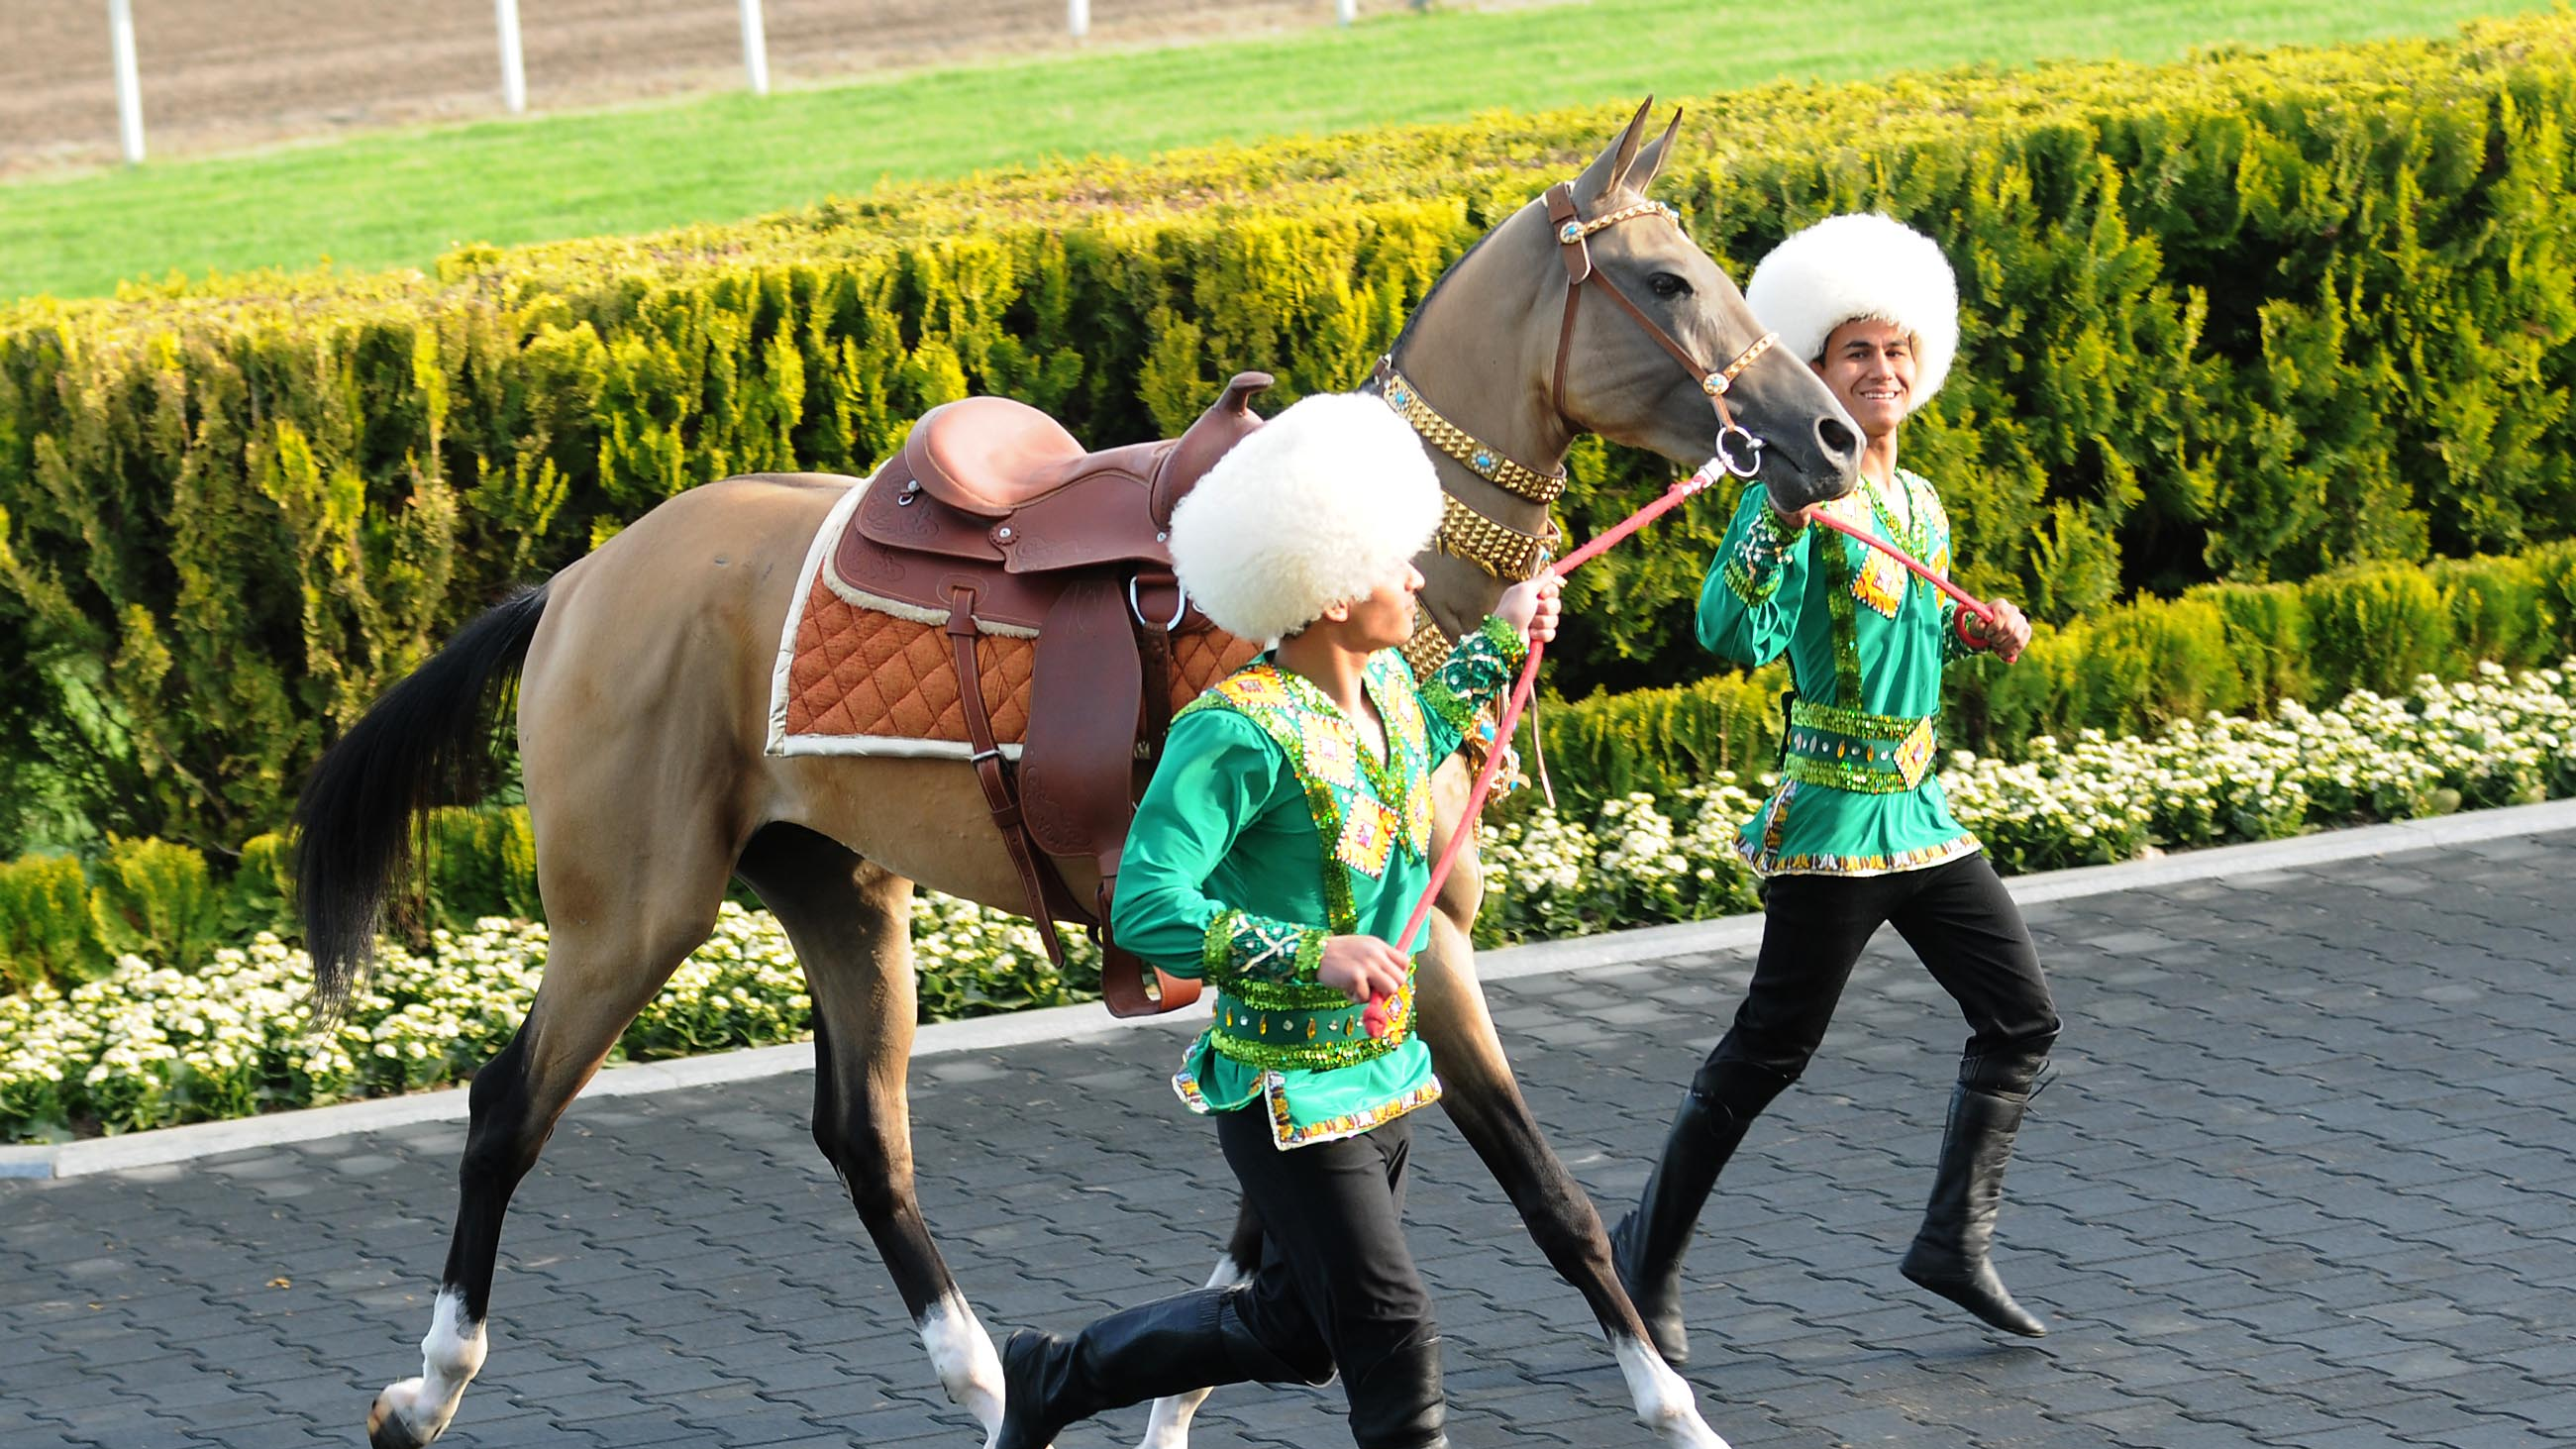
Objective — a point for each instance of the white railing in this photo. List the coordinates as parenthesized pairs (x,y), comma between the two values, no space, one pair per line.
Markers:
(129,90)
(514,67)
(514,63)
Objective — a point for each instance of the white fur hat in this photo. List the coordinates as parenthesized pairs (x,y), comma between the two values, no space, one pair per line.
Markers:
(1322,504)
(1846,268)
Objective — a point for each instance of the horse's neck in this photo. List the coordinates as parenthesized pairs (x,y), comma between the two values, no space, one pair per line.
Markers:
(1481,366)
(1476,355)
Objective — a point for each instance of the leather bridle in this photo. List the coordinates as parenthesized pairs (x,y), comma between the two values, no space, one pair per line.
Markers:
(1508,553)
(1573,237)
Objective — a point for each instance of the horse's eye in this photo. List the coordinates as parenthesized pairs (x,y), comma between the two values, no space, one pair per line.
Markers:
(1665,284)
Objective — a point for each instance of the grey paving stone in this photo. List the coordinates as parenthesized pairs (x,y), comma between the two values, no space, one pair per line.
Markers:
(2308,1177)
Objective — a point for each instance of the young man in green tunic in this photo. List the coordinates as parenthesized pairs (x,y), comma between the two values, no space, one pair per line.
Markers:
(1857,834)
(1284,840)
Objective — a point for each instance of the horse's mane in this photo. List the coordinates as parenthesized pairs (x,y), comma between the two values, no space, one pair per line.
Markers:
(1414,319)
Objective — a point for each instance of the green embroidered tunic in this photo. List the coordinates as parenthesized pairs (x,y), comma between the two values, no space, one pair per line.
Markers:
(1866,642)
(1268,828)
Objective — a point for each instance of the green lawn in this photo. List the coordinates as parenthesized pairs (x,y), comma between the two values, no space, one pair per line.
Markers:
(401,198)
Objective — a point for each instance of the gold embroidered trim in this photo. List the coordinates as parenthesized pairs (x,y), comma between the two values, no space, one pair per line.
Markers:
(1308,1041)
(1861,764)
(1771,862)
(1286,1133)
(1859,724)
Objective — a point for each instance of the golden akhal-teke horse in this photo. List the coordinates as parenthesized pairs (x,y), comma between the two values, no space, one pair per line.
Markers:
(643,674)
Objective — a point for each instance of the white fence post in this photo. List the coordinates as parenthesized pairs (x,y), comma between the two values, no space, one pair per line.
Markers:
(1077,17)
(1347,10)
(514,68)
(755,48)
(129,87)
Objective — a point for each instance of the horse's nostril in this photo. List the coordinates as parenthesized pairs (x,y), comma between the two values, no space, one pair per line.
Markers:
(1836,438)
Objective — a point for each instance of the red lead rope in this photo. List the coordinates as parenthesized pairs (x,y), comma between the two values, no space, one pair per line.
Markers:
(1973,606)
(1377,1016)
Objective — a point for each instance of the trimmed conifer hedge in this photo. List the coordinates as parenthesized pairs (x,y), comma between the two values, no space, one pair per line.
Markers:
(2246,317)
(2133,670)
(2129,670)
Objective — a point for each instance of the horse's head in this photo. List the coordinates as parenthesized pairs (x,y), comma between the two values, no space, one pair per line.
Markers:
(1612,373)
(1590,310)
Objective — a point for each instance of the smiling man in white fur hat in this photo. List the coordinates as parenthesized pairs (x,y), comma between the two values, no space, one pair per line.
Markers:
(1857,833)
(1318,754)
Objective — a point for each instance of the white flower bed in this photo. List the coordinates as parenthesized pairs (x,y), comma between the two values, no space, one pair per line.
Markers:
(1640,861)
(145,1046)
(2488,740)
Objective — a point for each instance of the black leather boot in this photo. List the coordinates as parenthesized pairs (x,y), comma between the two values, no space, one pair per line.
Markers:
(1171,1346)
(1647,1245)
(1949,1254)
(1398,1402)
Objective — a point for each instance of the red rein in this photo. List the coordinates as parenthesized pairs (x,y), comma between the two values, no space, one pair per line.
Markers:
(1377,1017)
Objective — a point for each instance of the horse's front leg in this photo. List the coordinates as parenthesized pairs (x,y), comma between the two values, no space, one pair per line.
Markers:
(1482,1097)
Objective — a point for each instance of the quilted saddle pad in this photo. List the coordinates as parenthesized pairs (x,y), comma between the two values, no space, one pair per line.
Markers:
(861,675)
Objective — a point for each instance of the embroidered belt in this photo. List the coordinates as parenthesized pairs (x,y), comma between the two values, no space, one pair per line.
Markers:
(1308,1039)
(1845,749)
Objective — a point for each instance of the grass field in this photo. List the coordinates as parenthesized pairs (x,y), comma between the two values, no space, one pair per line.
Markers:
(401,198)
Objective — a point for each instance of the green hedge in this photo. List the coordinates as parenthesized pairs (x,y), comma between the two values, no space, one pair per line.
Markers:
(2132,670)
(66,922)
(2246,317)
(2129,670)
(1656,740)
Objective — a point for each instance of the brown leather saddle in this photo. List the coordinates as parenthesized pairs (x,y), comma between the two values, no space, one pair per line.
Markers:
(994,516)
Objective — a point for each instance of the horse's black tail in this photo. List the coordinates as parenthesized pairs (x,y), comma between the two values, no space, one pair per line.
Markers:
(434,739)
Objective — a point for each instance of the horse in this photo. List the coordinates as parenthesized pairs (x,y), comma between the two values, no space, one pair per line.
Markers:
(641,675)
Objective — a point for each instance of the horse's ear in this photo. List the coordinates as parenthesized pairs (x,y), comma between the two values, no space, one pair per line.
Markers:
(1610,168)
(1650,161)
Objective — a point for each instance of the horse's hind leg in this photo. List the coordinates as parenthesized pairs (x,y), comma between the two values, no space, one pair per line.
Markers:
(1482,1097)
(613,942)
(1168,1426)
(851,924)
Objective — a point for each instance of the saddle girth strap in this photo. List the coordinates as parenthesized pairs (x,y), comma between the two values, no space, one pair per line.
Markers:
(1122,972)
(1048,899)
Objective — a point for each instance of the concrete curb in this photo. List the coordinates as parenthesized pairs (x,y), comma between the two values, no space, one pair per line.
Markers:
(1069,1023)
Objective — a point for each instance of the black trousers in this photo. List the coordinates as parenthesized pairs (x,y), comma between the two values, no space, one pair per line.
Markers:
(1959,920)
(1336,1286)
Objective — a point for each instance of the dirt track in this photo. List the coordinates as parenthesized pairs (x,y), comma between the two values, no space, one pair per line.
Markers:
(221,75)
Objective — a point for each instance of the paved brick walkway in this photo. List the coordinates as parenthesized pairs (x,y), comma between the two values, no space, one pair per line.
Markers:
(2306,1179)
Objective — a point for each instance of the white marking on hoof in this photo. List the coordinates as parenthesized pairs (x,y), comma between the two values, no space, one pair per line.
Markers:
(1168,1427)
(961,1353)
(1664,1399)
(416,1411)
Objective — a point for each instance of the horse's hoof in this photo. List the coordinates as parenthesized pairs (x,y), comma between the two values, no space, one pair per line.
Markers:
(386,1428)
